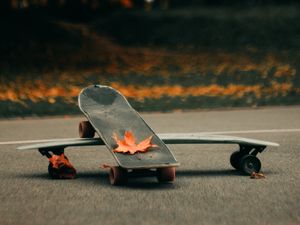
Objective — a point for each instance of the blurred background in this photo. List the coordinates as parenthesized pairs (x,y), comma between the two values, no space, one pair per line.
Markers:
(162,55)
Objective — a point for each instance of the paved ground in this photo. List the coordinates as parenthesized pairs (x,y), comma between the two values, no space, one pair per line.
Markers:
(207,189)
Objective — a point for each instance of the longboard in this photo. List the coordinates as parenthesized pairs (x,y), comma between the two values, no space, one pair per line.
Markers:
(183,138)
(109,113)
(246,146)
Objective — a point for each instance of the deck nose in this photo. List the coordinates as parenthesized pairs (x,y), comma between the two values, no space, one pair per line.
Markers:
(102,95)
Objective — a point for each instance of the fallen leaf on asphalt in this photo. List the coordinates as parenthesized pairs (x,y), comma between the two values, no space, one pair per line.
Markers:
(255,175)
(105,166)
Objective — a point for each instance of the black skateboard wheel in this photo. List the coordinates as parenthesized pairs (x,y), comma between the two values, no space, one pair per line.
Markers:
(52,171)
(117,175)
(249,164)
(61,173)
(166,174)
(86,130)
(235,159)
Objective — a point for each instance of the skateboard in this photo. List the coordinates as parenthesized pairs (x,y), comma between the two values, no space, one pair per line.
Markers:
(243,160)
(183,138)
(109,113)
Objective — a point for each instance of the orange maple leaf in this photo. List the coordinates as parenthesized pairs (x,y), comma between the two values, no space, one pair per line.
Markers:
(59,161)
(128,144)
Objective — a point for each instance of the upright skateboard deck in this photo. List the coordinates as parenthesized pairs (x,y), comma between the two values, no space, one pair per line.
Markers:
(110,113)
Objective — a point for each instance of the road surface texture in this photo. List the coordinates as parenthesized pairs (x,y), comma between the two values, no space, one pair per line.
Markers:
(207,190)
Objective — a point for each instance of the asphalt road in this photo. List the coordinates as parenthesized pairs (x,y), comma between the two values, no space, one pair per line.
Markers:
(207,190)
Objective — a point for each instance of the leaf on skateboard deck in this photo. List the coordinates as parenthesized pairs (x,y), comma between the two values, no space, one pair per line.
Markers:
(129,145)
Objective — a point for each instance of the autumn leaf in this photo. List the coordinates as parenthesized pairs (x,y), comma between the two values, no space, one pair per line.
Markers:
(59,161)
(129,145)
(145,144)
(61,167)
(129,138)
(105,166)
(255,175)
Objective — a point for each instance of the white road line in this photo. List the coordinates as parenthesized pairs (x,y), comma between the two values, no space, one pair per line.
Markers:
(37,141)
(214,132)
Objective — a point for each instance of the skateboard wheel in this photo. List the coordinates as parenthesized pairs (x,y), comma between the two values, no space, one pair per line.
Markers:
(235,159)
(117,175)
(249,164)
(166,174)
(86,130)
(52,171)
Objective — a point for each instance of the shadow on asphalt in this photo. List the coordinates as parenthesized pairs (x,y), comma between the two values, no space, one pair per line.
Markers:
(138,182)
(148,182)
(91,175)
(206,173)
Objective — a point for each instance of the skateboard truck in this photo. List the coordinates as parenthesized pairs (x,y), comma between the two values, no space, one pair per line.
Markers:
(245,159)
(119,175)
(59,166)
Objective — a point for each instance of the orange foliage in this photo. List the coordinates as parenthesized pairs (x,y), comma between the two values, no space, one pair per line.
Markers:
(129,61)
(284,70)
(157,92)
(128,144)
(42,93)
(280,89)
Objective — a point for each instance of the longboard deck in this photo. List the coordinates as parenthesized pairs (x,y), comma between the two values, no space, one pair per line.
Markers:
(183,138)
(110,113)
